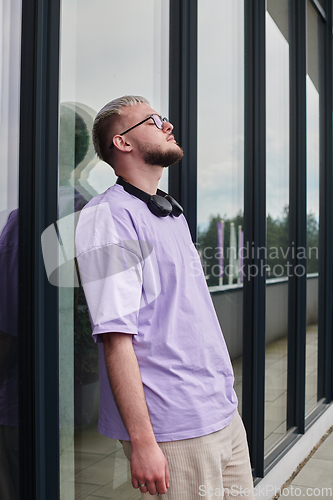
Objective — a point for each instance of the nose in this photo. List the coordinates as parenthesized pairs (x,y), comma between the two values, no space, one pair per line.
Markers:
(167,126)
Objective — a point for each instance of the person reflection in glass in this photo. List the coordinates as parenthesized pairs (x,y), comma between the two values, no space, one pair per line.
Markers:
(74,146)
(76,156)
(9,453)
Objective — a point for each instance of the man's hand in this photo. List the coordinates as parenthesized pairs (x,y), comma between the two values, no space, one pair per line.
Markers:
(149,467)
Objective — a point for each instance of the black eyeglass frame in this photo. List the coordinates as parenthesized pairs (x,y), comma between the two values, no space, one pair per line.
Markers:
(164,119)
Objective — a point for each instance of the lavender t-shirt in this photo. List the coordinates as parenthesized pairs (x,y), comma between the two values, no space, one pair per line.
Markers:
(142,276)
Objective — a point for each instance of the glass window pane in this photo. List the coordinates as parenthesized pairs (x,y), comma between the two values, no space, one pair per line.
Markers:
(277,213)
(104,54)
(314,134)
(10,61)
(221,164)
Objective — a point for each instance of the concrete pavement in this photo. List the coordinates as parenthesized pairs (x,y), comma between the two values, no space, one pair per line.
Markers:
(315,479)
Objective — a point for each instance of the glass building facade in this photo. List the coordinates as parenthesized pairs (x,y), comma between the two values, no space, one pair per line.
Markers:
(247,85)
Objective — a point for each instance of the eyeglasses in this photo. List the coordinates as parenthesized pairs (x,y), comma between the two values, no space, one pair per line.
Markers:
(157,119)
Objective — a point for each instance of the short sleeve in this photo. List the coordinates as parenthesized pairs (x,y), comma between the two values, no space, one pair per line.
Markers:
(110,259)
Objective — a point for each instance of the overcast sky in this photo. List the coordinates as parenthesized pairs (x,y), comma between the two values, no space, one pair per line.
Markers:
(111,48)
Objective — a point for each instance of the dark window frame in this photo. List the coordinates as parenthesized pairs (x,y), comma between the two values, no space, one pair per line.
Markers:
(297,218)
(254,287)
(183,104)
(38,202)
(182,62)
(325,344)
(253,376)
(39,373)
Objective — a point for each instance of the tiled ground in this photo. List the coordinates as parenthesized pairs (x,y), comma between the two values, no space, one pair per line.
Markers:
(102,471)
(276,384)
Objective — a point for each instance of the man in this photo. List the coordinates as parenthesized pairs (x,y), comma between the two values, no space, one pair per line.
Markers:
(171,400)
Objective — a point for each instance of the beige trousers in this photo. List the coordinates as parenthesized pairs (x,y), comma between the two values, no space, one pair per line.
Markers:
(215,466)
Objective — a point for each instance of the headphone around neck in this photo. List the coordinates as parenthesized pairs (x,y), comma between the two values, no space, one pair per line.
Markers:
(160,204)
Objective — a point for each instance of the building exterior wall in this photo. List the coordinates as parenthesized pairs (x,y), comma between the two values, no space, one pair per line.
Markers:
(228,303)
(248,87)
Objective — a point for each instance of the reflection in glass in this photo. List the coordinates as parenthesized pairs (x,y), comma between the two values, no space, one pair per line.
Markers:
(104,55)
(9,333)
(313,96)
(10,15)
(221,163)
(277,213)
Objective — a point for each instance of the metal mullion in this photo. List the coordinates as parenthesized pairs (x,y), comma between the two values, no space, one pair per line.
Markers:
(46,208)
(325,217)
(183,104)
(329,162)
(254,233)
(297,218)
(38,209)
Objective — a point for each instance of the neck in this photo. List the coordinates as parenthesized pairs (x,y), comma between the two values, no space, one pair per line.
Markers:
(145,180)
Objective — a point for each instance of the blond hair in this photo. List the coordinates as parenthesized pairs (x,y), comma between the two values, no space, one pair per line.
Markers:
(110,109)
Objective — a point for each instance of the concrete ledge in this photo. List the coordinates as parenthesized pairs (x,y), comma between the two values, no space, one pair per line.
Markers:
(276,478)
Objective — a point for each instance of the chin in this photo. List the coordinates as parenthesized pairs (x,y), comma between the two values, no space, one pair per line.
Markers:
(154,155)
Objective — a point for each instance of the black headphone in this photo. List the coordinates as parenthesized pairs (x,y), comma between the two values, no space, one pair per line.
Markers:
(160,204)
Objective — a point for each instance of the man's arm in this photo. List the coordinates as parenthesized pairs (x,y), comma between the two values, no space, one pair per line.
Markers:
(148,464)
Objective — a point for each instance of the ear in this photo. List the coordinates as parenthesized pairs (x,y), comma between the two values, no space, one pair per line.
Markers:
(120,143)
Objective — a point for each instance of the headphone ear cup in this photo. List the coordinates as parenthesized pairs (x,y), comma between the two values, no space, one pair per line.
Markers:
(177,209)
(159,206)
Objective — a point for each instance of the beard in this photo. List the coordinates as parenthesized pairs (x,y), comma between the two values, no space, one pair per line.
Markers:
(153,156)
